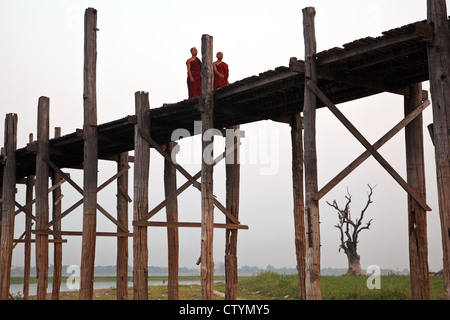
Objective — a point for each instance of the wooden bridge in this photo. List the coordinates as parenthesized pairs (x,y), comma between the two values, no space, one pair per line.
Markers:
(396,62)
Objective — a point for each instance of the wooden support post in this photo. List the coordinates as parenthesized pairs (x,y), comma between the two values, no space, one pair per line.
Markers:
(439,67)
(313,290)
(299,204)
(122,217)
(2,150)
(28,225)
(170,187)
(232,168)
(42,209)
(207,107)
(90,156)
(1,194)
(8,205)
(57,246)
(417,216)
(140,205)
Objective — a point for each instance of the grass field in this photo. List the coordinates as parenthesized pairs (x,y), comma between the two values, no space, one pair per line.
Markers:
(273,286)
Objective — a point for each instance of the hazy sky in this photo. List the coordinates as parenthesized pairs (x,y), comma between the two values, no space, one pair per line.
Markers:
(143,46)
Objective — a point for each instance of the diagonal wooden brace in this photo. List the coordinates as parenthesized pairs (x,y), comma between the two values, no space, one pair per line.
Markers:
(189,183)
(365,155)
(320,95)
(158,148)
(80,190)
(26,206)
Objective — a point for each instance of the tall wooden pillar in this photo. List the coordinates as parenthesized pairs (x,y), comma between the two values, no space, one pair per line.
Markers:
(299,203)
(140,205)
(122,217)
(417,216)
(207,197)
(2,153)
(90,156)
(8,205)
(170,187)
(313,290)
(42,209)
(57,247)
(28,227)
(439,67)
(232,168)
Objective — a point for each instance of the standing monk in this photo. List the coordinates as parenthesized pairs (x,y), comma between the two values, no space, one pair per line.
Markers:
(220,72)
(194,80)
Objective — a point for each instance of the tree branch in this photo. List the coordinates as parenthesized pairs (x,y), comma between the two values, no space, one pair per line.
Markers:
(345,221)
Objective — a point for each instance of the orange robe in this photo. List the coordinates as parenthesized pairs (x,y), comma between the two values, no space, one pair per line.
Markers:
(219,82)
(195,88)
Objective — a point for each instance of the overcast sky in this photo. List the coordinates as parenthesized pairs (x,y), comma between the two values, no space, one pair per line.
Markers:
(143,46)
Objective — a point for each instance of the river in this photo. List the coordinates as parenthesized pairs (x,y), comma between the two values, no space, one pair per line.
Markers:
(17,288)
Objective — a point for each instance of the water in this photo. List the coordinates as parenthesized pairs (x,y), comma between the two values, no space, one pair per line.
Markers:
(15,289)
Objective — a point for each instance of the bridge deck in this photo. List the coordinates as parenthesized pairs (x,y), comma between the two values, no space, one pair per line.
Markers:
(368,66)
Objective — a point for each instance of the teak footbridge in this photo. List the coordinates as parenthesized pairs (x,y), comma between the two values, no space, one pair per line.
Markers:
(396,62)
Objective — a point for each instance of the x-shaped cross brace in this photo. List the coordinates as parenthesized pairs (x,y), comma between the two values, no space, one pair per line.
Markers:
(371,149)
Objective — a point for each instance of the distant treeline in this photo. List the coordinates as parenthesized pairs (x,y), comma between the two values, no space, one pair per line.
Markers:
(218,270)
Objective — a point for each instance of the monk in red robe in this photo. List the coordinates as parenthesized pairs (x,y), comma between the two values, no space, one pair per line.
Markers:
(194,80)
(220,72)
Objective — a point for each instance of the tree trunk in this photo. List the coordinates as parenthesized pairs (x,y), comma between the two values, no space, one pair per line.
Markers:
(354,265)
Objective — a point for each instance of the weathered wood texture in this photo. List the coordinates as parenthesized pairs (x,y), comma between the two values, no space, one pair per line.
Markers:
(2,153)
(140,205)
(232,168)
(56,213)
(28,227)
(122,217)
(170,187)
(417,216)
(8,205)
(312,282)
(357,134)
(90,156)
(42,207)
(207,197)
(439,74)
(377,145)
(299,203)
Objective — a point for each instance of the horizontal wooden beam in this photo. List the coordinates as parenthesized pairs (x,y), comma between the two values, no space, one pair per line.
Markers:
(34,241)
(79,233)
(187,225)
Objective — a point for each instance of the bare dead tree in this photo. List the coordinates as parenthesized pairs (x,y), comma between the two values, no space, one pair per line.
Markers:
(350,230)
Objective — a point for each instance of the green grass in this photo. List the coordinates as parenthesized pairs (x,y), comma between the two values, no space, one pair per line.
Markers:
(269,285)
(273,286)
